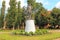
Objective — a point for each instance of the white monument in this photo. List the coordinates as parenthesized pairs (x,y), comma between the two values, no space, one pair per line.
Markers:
(30,26)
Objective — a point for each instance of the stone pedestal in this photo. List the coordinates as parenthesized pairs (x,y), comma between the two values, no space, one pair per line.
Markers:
(30,26)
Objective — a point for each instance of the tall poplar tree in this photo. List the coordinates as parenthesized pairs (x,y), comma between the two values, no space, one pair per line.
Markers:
(0,17)
(12,14)
(19,15)
(2,13)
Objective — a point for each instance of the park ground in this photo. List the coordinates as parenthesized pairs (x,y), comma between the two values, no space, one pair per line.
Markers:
(7,35)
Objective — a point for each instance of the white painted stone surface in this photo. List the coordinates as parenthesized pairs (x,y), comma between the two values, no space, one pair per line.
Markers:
(30,26)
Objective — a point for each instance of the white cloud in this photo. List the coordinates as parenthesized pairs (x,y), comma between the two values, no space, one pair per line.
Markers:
(46,3)
(0,3)
(40,1)
(7,4)
(23,2)
(58,5)
(43,2)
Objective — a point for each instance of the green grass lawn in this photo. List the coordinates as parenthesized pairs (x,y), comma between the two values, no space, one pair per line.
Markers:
(9,36)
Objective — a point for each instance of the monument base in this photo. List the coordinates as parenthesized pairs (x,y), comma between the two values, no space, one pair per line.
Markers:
(30,26)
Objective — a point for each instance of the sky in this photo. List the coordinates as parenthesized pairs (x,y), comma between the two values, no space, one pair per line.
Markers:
(47,4)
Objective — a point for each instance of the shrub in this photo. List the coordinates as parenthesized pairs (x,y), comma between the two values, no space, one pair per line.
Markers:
(31,33)
(22,33)
(44,31)
(17,32)
(14,32)
(38,32)
(27,34)
(41,31)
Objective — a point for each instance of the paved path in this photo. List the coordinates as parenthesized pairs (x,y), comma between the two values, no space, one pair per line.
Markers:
(54,30)
(4,32)
(57,39)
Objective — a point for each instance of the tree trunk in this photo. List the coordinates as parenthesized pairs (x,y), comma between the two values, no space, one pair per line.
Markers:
(18,27)
(23,26)
(13,26)
(39,27)
(4,27)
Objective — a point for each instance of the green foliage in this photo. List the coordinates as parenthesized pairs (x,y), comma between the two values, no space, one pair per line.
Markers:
(50,36)
(0,17)
(40,16)
(2,14)
(56,16)
(15,32)
(22,32)
(32,3)
(15,16)
(38,32)
(12,12)
(27,34)
(41,31)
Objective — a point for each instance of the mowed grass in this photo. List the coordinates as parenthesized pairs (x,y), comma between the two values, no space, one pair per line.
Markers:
(10,36)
